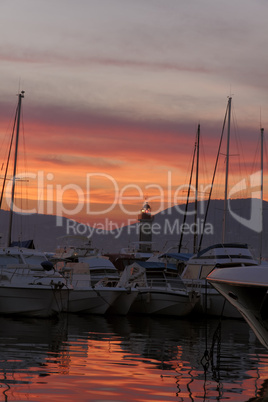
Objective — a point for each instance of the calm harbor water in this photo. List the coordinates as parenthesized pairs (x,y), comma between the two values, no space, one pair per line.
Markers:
(112,359)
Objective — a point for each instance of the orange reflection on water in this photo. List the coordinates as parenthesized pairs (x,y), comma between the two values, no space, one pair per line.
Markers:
(125,360)
(94,370)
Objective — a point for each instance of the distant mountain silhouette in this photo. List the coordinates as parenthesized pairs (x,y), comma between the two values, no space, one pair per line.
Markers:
(46,234)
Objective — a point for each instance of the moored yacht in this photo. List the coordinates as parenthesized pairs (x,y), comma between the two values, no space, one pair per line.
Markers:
(161,290)
(246,288)
(200,265)
(29,284)
(222,255)
(95,281)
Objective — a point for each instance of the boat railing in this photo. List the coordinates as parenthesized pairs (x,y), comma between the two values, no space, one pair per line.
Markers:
(197,284)
(176,283)
(170,283)
(20,270)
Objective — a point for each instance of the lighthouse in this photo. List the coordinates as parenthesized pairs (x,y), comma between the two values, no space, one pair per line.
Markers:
(145,234)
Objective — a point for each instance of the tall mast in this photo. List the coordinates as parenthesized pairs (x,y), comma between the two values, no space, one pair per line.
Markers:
(8,159)
(21,95)
(261,233)
(188,195)
(227,170)
(196,189)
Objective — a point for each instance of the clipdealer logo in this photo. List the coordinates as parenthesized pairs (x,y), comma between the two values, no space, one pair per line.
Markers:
(51,198)
(132,227)
(255,220)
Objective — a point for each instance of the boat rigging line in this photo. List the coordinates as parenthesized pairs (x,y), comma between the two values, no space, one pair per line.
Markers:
(213,177)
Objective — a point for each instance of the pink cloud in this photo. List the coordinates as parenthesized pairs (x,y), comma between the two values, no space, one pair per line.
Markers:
(12,55)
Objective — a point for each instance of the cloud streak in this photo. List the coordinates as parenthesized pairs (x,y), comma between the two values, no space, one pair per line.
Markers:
(119,87)
(34,57)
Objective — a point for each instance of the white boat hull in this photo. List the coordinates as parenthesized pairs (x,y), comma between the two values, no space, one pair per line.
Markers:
(33,302)
(251,311)
(247,291)
(214,304)
(211,302)
(199,268)
(123,302)
(91,301)
(163,302)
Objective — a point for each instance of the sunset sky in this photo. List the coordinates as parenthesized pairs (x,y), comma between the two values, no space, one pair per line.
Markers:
(116,88)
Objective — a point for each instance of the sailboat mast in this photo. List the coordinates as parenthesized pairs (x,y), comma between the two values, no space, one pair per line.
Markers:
(8,159)
(227,170)
(196,189)
(196,149)
(187,203)
(261,233)
(21,95)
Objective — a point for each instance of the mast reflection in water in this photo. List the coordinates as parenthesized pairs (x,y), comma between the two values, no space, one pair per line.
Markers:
(113,358)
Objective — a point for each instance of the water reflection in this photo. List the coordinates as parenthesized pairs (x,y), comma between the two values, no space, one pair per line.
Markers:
(91,358)
(29,348)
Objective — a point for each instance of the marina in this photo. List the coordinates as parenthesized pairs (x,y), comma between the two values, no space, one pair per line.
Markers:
(134,204)
(133,358)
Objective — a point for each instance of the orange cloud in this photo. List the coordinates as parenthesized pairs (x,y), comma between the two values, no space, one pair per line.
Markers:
(110,162)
